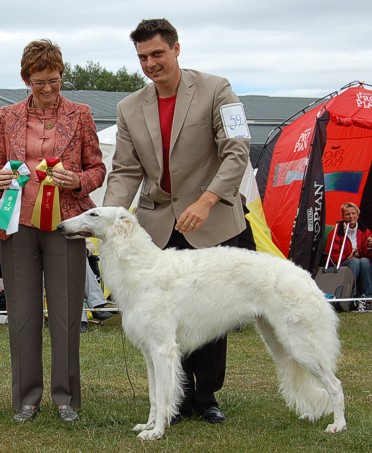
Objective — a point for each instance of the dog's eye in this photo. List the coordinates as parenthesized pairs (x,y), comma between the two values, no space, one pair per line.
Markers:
(93,214)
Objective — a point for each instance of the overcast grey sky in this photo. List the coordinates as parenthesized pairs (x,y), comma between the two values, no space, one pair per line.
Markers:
(270,47)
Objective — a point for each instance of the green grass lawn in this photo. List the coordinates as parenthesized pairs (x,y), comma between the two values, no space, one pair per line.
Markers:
(114,391)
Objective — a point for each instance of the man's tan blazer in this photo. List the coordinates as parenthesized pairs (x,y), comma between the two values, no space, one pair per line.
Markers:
(201,158)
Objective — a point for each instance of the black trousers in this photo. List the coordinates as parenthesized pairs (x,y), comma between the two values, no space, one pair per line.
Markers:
(246,238)
(204,368)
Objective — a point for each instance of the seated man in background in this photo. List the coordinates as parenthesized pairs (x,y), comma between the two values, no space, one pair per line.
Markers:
(356,254)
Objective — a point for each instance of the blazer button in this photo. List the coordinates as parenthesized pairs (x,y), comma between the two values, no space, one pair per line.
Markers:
(174,199)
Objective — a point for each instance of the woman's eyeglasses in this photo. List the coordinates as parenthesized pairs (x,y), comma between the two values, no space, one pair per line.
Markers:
(41,83)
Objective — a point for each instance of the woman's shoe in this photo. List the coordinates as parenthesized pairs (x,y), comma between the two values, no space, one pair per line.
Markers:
(26,413)
(67,413)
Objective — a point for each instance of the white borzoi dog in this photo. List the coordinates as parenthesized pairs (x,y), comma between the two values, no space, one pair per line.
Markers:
(174,301)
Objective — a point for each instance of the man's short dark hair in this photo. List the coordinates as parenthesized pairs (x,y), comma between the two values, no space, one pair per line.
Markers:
(149,28)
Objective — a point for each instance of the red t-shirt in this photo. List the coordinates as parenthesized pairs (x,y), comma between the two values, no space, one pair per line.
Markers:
(166,112)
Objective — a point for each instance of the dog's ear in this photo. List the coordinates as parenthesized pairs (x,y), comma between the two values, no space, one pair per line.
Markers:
(125,223)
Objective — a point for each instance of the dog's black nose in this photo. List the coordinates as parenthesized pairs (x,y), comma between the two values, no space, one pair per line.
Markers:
(60,227)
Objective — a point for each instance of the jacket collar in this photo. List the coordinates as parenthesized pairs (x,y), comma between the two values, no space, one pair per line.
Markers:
(63,135)
(65,106)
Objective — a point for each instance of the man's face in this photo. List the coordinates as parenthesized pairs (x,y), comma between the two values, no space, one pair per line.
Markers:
(159,61)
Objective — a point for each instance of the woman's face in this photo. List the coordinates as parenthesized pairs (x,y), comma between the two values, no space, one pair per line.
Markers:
(351,216)
(45,86)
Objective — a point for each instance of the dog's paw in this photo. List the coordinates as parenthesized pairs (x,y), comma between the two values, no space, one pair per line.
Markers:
(336,427)
(152,434)
(143,426)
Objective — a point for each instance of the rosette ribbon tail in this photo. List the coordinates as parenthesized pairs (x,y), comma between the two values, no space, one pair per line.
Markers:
(10,203)
(47,212)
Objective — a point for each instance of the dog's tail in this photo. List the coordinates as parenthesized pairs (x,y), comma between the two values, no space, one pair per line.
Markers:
(294,358)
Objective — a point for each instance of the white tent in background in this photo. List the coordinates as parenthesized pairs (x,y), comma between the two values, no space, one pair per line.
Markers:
(107,140)
(107,136)
(107,144)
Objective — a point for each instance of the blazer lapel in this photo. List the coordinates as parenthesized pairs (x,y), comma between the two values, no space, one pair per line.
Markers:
(16,131)
(151,115)
(185,95)
(66,127)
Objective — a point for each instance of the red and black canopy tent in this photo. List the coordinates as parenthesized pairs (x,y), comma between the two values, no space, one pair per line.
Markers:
(313,165)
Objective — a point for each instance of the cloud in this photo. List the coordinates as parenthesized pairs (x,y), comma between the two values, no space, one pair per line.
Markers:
(292,47)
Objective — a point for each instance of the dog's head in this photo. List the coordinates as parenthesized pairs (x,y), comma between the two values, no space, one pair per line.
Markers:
(101,223)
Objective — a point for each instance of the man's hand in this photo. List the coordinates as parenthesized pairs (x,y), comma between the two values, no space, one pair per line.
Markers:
(197,213)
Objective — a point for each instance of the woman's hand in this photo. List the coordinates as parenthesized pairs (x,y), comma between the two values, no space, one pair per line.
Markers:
(6,177)
(66,179)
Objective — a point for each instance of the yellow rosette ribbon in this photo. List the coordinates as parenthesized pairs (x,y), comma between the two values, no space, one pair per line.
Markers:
(47,211)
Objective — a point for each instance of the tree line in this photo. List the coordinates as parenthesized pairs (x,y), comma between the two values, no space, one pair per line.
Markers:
(93,76)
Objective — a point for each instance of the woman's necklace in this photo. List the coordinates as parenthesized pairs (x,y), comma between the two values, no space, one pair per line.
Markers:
(49,123)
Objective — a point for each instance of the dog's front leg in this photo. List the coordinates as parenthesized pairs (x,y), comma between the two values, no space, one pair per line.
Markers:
(166,365)
(152,396)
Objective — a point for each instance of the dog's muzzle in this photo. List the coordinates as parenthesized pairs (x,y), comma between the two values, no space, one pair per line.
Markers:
(73,234)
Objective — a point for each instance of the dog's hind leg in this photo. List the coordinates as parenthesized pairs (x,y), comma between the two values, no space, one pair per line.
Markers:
(336,394)
(166,361)
(152,395)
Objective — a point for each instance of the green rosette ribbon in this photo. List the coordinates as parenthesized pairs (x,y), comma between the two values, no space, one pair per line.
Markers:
(10,203)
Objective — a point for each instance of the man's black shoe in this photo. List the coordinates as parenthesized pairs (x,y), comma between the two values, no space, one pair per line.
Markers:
(181,416)
(212,414)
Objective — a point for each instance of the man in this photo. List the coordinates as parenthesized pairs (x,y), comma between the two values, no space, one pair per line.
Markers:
(171,136)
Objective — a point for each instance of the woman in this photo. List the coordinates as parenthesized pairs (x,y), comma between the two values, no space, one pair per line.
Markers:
(355,254)
(57,141)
